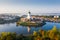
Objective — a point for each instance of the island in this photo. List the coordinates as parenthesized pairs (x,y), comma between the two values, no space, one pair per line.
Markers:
(30,21)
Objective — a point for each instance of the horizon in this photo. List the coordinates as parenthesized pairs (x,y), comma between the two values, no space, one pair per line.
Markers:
(40,14)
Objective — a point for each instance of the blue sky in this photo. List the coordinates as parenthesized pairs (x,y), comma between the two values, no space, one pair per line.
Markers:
(35,6)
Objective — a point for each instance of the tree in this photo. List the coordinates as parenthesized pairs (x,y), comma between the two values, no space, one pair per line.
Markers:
(20,37)
(35,33)
(53,32)
(42,33)
(9,38)
(56,37)
(46,38)
(14,35)
(38,38)
(3,35)
(54,29)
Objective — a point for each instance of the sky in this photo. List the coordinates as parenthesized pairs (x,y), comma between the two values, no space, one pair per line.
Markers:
(35,6)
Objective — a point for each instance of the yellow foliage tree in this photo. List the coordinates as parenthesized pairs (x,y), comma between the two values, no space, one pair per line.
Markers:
(53,32)
(54,29)
(35,33)
(38,38)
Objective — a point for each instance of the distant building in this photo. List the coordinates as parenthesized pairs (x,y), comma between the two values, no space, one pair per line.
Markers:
(23,19)
(56,16)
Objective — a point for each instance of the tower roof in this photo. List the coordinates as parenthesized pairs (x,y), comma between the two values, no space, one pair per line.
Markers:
(29,12)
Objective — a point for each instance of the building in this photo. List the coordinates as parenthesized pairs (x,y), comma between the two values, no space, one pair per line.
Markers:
(26,18)
(56,16)
(29,15)
(32,18)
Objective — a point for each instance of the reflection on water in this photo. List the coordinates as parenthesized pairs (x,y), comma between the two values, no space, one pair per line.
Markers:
(26,29)
(29,28)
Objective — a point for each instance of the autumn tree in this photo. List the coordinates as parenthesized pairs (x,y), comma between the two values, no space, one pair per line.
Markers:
(35,33)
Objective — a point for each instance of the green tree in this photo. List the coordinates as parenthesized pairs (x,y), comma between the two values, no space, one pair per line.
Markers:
(9,38)
(20,37)
(14,35)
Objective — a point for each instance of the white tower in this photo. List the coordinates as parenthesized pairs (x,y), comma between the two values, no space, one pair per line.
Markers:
(29,15)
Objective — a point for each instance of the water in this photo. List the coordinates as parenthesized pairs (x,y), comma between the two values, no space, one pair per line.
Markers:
(26,30)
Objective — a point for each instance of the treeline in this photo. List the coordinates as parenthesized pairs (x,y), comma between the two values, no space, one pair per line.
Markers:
(14,36)
(52,34)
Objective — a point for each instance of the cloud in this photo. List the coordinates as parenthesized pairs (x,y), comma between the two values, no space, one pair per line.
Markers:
(35,6)
(25,9)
